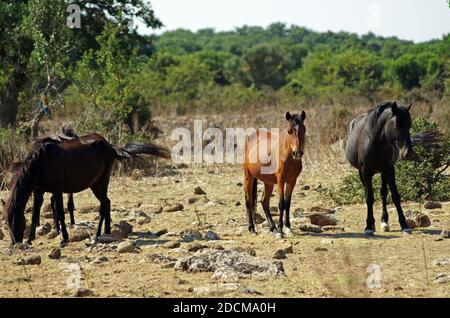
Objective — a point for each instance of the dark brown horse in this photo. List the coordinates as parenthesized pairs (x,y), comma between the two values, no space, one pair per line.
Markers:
(67,166)
(376,141)
(282,165)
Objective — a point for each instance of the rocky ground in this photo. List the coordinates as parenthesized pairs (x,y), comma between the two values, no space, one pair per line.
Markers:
(170,240)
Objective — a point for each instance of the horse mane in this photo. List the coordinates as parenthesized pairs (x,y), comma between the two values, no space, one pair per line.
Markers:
(23,181)
(377,116)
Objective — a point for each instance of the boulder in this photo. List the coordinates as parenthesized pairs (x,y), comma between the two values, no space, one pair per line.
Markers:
(55,253)
(189,235)
(211,236)
(44,229)
(322,219)
(416,219)
(79,235)
(174,208)
(279,254)
(30,260)
(226,264)
(199,191)
(122,230)
(310,228)
(127,247)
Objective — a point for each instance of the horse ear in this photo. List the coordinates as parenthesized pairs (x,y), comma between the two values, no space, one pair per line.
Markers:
(303,115)
(394,108)
(410,106)
(288,116)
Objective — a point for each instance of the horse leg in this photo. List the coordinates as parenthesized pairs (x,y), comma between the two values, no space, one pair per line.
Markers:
(38,198)
(61,218)
(55,214)
(370,221)
(71,208)
(100,190)
(250,200)
(384,194)
(281,205)
(396,199)
(265,202)
(287,198)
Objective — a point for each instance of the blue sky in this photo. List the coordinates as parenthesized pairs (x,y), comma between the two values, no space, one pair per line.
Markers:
(417,20)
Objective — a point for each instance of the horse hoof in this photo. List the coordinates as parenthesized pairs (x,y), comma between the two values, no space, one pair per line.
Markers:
(279,235)
(406,232)
(253,233)
(385,227)
(369,233)
(63,243)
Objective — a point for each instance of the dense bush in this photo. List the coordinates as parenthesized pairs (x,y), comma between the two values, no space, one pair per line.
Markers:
(423,178)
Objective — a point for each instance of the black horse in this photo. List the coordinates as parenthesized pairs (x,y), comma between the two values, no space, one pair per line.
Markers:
(376,141)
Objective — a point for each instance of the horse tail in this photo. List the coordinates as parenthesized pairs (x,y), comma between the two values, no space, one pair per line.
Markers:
(133,150)
(430,137)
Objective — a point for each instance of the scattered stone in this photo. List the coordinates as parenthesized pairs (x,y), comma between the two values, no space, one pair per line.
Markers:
(139,214)
(52,235)
(211,236)
(238,203)
(172,245)
(107,239)
(83,292)
(250,251)
(445,234)
(279,254)
(199,191)
(47,215)
(322,219)
(55,253)
(430,205)
(259,219)
(332,228)
(239,184)
(159,259)
(30,260)
(416,219)
(127,247)
(306,188)
(442,261)
(174,208)
(157,210)
(229,264)
(310,228)
(189,235)
(79,235)
(44,229)
(122,230)
(196,247)
(441,279)
(320,249)
(99,260)
(192,200)
(288,249)
(162,232)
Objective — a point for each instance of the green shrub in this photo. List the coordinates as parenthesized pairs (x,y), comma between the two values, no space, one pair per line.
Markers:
(422,179)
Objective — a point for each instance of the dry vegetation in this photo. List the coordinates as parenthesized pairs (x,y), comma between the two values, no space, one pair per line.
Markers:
(322,265)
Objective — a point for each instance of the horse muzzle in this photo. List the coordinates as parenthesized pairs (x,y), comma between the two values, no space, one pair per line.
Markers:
(297,154)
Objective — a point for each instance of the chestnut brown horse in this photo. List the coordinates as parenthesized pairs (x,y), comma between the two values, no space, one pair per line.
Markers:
(67,166)
(282,165)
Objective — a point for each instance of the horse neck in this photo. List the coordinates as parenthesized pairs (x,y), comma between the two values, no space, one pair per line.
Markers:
(23,185)
(283,145)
